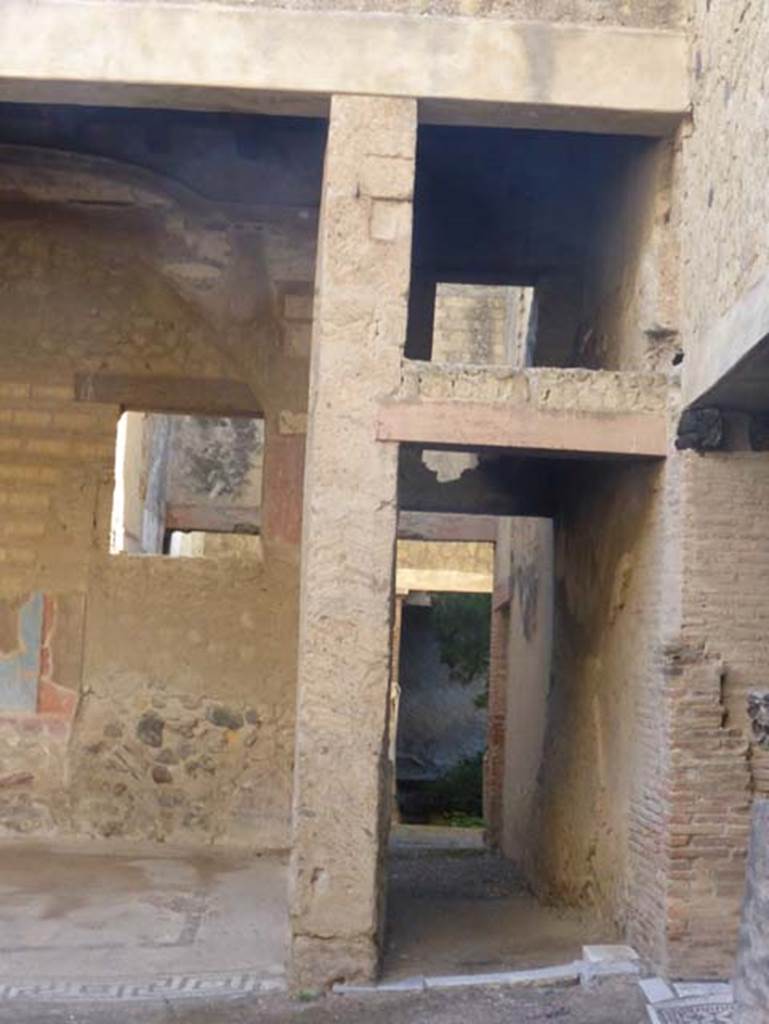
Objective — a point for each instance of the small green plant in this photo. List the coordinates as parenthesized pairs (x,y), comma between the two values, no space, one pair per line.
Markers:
(460,790)
(457,819)
(308,995)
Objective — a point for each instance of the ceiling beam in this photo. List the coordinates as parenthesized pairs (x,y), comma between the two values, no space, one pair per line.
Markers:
(239,57)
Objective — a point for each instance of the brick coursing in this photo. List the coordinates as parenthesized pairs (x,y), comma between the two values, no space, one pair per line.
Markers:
(714,768)
(50,448)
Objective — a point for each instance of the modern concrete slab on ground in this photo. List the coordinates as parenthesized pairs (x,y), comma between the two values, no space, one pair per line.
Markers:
(95,914)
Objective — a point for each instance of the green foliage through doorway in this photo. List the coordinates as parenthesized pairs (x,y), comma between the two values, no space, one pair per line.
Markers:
(463,627)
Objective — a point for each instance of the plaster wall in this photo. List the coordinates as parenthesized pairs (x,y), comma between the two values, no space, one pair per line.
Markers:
(599,825)
(218,461)
(722,204)
(131,466)
(526,554)
(630,304)
(165,695)
(214,475)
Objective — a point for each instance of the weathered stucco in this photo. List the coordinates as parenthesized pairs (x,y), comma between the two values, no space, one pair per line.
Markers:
(109,271)
(601,789)
(342,789)
(525,583)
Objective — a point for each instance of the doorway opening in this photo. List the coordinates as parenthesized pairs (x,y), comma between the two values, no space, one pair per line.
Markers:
(472,647)
(442,705)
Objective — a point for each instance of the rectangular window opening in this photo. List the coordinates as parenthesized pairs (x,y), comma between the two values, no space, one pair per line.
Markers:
(187,486)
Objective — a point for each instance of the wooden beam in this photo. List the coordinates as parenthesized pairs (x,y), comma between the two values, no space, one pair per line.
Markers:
(196,396)
(498,425)
(446,526)
(213,519)
(452,581)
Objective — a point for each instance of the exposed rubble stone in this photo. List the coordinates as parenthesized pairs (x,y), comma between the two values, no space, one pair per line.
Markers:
(149,729)
(225,717)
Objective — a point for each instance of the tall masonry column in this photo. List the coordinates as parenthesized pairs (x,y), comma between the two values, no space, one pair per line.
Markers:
(341,784)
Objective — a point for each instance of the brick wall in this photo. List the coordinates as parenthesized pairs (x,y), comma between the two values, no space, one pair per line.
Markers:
(723,654)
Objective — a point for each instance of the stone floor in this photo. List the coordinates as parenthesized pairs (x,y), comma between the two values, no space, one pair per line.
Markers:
(613,1003)
(98,934)
(464,910)
(138,915)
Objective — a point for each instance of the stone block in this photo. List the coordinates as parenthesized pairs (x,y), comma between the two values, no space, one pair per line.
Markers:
(563,974)
(605,954)
(387,178)
(389,220)
(656,990)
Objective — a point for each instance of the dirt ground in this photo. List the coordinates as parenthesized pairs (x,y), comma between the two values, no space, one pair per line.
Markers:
(611,1003)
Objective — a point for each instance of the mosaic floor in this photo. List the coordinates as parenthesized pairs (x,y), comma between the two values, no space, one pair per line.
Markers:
(694,1004)
(176,986)
(139,923)
(704,1013)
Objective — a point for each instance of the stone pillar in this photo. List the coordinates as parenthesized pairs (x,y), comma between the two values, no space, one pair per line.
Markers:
(751,985)
(341,789)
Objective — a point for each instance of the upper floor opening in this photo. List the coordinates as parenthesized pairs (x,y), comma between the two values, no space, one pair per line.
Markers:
(528,246)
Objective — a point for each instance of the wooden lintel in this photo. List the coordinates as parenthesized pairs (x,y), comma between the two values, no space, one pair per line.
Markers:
(213,519)
(196,396)
(499,425)
(502,594)
(446,526)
